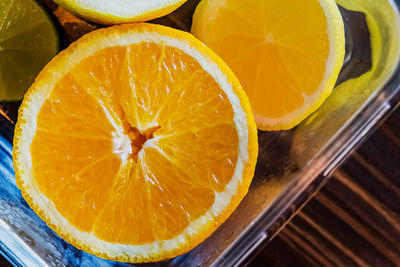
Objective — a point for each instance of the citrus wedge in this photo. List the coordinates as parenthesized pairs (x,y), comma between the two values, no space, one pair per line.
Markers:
(135,143)
(28,40)
(287,54)
(120,11)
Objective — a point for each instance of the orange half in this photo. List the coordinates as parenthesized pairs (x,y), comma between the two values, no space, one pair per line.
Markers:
(135,143)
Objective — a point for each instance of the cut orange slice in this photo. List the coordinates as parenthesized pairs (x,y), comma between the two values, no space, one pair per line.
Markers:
(287,54)
(135,143)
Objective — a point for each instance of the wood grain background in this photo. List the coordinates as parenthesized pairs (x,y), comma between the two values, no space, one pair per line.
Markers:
(355,219)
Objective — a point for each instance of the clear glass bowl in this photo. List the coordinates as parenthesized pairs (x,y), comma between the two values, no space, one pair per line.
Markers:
(291,166)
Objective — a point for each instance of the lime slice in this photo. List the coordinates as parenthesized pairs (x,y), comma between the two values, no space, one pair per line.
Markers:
(28,40)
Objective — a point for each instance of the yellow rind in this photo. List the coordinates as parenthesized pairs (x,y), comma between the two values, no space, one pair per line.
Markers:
(207,229)
(111,19)
(337,44)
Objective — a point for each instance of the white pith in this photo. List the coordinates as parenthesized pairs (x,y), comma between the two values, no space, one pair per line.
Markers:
(85,49)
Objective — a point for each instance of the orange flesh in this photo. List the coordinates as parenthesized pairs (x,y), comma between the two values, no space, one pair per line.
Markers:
(183,143)
(277,48)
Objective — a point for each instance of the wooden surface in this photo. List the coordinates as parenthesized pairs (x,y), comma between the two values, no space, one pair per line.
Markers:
(355,219)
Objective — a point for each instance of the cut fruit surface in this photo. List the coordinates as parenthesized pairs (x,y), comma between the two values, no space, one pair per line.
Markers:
(287,54)
(120,11)
(28,41)
(135,143)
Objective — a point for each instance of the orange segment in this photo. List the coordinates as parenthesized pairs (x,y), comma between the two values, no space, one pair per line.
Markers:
(287,54)
(136,143)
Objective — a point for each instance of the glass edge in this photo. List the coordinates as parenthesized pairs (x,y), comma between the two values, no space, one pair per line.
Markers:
(15,250)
